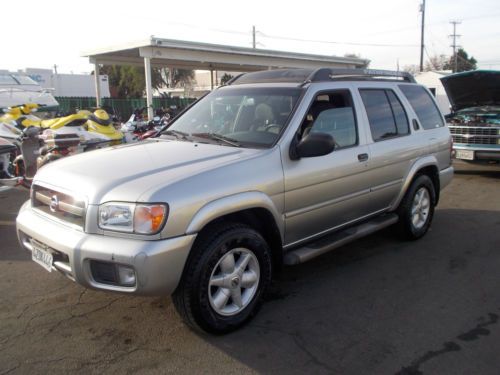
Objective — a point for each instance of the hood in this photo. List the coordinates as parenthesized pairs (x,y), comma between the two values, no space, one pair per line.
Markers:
(473,89)
(123,173)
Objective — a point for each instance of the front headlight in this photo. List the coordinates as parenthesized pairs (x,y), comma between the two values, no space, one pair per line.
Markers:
(132,217)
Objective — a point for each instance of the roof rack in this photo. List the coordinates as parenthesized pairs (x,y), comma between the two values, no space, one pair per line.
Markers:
(304,76)
(326,74)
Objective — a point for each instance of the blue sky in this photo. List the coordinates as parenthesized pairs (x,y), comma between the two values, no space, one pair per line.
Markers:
(57,32)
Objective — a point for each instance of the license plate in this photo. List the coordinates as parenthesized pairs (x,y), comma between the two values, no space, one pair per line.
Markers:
(41,256)
(464,154)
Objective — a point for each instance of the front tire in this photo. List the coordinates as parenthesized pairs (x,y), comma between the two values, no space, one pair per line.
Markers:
(225,278)
(417,208)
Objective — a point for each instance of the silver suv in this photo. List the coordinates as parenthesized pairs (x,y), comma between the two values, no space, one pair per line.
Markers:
(275,168)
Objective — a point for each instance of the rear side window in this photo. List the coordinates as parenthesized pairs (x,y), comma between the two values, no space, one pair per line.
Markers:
(385,113)
(427,112)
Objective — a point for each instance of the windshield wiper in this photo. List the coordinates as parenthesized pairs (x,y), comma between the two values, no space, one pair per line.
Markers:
(218,137)
(177,134)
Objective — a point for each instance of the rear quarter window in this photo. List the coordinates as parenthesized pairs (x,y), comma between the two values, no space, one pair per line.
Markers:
(424,106)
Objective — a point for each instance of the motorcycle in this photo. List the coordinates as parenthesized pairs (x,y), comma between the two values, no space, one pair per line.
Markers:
(19,161)
(141,129)
(154,126)
(8,152)
(42,141)
(136,125)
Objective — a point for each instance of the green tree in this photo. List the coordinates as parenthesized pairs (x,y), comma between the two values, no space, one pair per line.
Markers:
(127,81)
(366,62)
(176,77)
(226,78)
(463,62)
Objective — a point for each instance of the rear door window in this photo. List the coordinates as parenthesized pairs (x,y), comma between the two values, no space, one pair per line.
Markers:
(427,112)
(385,113)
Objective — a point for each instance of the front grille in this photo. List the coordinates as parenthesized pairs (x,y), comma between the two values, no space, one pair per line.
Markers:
(475,135)
(59,205)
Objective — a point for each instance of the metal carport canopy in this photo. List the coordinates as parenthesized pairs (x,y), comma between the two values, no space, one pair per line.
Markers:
(158,52)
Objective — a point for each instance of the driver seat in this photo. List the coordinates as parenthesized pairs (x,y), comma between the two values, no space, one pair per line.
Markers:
(264,116)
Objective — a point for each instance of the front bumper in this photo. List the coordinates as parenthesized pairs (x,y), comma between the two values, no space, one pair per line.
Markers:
(481,152)
(158,264)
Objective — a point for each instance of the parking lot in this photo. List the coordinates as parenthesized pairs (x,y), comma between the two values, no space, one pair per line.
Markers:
(376,306)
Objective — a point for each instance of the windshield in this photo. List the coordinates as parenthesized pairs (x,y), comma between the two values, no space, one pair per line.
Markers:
(24,80)
(238,116)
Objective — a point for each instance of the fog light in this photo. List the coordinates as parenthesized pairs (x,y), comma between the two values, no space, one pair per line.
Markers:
(126,275)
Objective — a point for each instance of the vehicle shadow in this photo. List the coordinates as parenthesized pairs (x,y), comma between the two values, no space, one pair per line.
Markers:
(375,306)
(484,170)
(367,306)
(10,201)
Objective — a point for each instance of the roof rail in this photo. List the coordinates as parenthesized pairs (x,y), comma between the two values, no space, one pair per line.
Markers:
(304,76)
(327,74)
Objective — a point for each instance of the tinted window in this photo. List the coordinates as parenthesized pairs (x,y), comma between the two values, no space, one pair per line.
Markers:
(399,113)
(378,109)
(332,113)
(423,105)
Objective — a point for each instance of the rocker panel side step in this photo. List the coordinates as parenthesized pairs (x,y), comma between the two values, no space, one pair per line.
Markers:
(337,239)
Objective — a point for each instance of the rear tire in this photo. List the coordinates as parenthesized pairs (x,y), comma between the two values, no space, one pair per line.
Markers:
(225,278)
(417,208)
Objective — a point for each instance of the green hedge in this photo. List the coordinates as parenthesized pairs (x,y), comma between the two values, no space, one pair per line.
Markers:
(123,107)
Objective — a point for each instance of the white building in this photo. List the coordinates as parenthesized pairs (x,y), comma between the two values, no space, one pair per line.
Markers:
(431,80)
(80,85)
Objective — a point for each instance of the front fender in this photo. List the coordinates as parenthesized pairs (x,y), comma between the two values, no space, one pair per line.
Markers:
(231,204)
(423,162)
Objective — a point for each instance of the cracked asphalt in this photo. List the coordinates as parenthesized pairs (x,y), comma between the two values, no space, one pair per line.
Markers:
(376,306)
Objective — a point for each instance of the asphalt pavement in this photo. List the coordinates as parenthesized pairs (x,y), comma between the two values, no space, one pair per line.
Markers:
(375,306)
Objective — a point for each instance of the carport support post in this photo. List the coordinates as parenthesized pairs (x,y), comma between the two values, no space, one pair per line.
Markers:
(97,79)
(149,89)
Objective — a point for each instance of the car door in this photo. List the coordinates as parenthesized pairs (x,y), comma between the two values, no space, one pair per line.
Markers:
(393,147)
(325,192)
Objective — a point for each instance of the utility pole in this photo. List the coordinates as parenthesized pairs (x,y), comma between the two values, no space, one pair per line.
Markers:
(454,45)
(422,9)
(253,37)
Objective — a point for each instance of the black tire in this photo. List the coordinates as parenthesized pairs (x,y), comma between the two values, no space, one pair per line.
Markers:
(191,297)
(407,228)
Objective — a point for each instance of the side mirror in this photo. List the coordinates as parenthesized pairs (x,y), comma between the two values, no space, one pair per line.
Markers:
(313,144)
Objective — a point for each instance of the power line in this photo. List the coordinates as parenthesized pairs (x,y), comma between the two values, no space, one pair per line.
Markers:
(415,27)
(335,42)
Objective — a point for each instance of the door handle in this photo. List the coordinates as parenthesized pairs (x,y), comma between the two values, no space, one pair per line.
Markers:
(415,124)
(363,157)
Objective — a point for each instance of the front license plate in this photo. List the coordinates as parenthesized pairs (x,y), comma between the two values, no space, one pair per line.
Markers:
(464,154)
(41,256)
